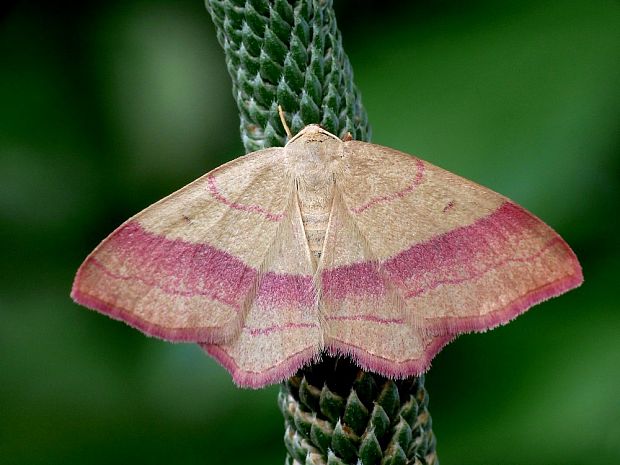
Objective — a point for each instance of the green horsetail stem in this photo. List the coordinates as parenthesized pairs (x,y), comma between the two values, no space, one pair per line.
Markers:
(337,414)
(289,53)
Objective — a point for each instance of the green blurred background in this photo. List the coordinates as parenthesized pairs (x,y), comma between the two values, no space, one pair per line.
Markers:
(107,106)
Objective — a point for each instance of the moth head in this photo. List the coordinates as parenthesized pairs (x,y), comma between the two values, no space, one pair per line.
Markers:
(313,144)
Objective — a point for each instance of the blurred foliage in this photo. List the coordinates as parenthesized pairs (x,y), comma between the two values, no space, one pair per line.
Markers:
(107,106)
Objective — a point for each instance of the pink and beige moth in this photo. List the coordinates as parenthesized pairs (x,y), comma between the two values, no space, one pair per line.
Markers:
(325,246)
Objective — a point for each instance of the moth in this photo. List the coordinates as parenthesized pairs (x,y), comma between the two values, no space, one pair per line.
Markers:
(325,245)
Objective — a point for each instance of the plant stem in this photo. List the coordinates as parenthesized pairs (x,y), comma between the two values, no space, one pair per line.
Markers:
(289,53)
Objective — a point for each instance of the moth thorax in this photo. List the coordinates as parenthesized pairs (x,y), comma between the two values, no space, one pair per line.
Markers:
(315,202)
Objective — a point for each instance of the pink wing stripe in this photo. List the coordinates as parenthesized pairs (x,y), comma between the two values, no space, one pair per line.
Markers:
(396,195)
(214,191)
(358,278)
(454,257)
(472,273)
(466,252)
(180,267)
(286,290)
(188,269)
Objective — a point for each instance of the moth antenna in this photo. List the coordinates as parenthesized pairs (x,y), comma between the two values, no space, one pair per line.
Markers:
(289,134)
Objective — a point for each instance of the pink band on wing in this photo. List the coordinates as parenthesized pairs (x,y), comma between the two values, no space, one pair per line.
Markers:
(286,290)
(455,257)
(396,195)
(179,267)
(214,191)
(473,273)
(466,252)
(356,279)
(188,269)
